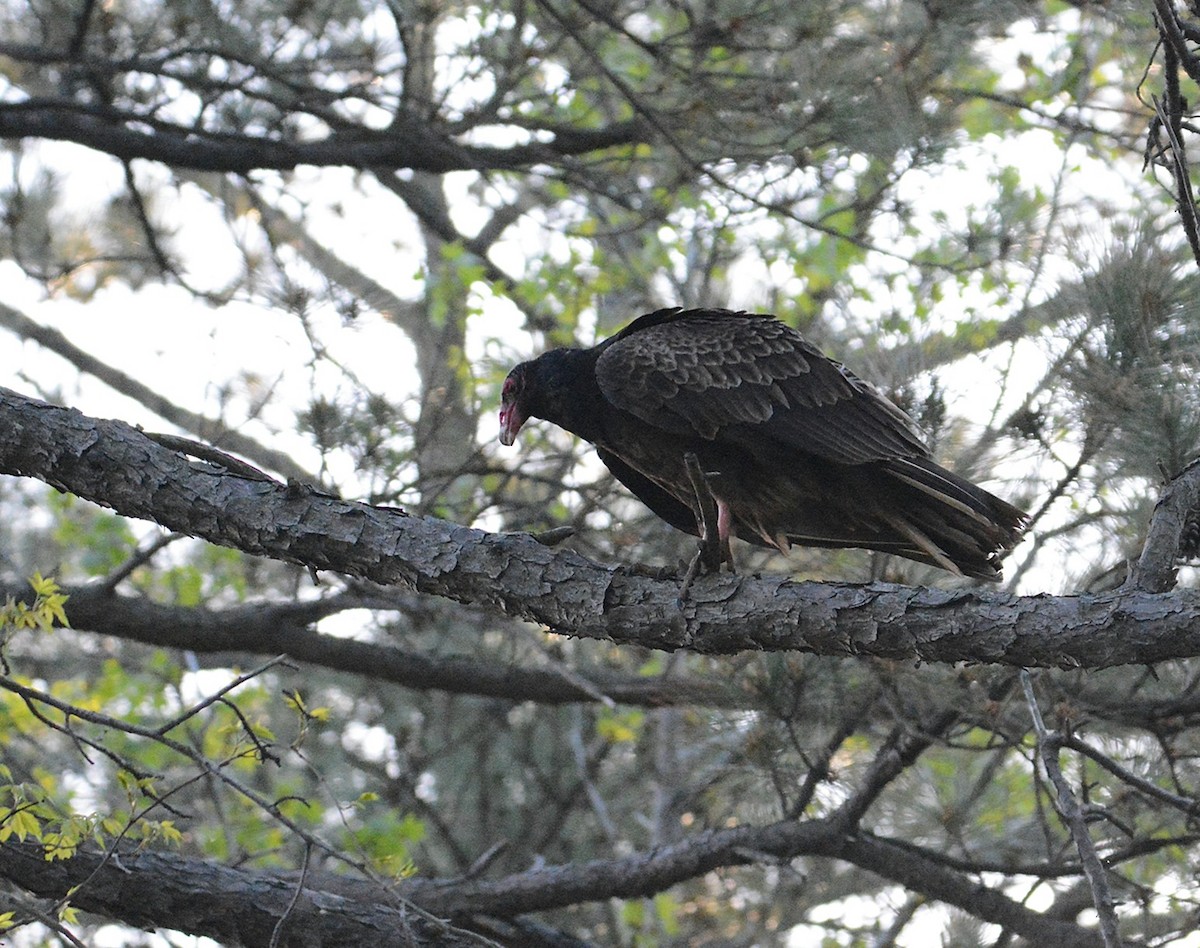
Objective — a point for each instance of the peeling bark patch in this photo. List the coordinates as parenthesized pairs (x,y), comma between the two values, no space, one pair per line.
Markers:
(445,561)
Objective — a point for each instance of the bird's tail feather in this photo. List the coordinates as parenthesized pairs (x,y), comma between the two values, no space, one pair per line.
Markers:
(949,518)
(923,543)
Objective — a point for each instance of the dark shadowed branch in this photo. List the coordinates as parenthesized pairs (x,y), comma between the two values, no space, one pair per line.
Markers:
(233,906)
(1170,115)
(409,143)
(341,909)
(289,629)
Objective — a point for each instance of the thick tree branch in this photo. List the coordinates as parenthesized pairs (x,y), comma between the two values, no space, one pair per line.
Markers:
(113,464)
(644,874)
(204,898)
(232,906)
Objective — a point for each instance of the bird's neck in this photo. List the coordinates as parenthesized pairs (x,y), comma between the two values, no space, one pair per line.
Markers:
(568,394)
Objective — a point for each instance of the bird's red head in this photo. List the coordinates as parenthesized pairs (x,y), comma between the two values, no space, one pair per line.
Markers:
(513,413)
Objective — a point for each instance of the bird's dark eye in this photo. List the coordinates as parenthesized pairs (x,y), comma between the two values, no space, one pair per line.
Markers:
(512,385)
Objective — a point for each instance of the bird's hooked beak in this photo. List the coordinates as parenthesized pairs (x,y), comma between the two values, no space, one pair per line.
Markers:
(511,421)
(513,412)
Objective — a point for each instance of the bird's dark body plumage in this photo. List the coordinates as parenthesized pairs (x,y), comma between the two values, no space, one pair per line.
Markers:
(796,448)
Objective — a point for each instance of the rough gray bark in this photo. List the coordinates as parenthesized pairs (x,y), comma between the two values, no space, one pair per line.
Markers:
(1155,568)
(113,464)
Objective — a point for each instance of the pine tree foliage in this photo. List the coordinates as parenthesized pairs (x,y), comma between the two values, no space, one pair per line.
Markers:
(1138,356)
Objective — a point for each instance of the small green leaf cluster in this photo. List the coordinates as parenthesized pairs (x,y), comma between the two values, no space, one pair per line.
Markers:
(45,612)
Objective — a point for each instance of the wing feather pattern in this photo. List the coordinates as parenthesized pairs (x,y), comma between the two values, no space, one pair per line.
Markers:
(746,378)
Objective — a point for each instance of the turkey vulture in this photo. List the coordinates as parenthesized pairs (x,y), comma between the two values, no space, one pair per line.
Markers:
(793,446)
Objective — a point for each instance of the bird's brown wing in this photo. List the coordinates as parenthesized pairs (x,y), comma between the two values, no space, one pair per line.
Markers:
(723,375)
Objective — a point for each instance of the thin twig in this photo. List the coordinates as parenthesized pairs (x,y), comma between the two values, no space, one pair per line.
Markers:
(1184,199)
(277,931)
(218,771)
(207,452)
(1049,745)
(1169,114)
(52,923)
(218,695)
(1188,805)
(573,677)
(139,558)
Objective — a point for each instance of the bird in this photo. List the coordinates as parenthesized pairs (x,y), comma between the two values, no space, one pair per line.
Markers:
(793,447)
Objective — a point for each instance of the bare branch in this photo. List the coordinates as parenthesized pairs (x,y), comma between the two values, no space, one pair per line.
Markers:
(331,906)
(1169,114)
(1188,805)
(232,906)
(286,629)
(1180,502)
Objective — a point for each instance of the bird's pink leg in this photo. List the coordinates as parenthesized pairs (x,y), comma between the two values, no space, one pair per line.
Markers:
(724,530)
